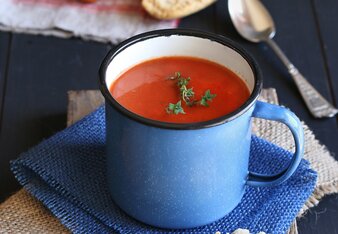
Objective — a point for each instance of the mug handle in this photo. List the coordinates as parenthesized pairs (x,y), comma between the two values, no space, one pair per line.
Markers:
(273,112)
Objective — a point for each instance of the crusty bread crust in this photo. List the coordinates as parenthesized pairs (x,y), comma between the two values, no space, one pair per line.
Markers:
(173,9)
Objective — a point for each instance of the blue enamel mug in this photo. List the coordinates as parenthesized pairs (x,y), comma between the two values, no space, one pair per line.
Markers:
(173,175)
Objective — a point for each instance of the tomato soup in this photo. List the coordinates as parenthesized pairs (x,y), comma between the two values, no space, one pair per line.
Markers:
(152,89)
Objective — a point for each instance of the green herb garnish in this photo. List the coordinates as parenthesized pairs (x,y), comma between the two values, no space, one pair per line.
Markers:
(206,98)
(187,95)
(175,108)
(182,81)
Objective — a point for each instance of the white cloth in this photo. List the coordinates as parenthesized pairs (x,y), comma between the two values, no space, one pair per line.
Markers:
(104,20)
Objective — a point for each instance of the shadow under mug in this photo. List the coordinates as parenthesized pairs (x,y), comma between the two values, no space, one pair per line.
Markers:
(185,175)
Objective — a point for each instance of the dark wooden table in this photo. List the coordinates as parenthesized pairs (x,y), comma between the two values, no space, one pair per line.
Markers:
(36,72)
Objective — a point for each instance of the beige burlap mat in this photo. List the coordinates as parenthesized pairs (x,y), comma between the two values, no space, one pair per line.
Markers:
(317,154)
(22,213)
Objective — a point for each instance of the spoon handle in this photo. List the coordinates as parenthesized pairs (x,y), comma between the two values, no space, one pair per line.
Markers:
(316,103)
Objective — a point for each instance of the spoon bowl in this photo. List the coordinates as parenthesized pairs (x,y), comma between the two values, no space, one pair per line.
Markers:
(251,20)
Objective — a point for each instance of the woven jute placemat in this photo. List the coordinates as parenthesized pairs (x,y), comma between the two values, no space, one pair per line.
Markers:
(22,213)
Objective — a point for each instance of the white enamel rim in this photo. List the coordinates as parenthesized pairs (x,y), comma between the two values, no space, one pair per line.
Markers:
(180,42)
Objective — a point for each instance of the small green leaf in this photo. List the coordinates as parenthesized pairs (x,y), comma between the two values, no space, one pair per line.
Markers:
(189,93)
(207,97)
(183,81)
(204,102)
(171,106)
(175,108)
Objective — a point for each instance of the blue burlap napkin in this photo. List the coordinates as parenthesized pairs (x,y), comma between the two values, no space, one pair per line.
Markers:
(67,174)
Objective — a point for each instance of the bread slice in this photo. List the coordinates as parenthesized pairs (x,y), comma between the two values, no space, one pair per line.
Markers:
(173,9)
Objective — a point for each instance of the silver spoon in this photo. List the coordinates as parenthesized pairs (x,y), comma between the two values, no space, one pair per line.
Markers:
(254,23)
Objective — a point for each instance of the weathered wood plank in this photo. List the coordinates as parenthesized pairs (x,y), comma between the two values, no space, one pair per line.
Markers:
(5,39)
(203,20)
(41,71)
(327,19)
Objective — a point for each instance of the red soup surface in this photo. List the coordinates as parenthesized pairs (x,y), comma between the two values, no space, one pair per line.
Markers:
(147,89)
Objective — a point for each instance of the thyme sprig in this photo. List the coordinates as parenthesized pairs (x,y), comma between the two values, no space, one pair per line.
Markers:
(187,95)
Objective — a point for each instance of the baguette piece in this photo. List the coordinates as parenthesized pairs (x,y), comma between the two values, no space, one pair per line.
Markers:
(173,9)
